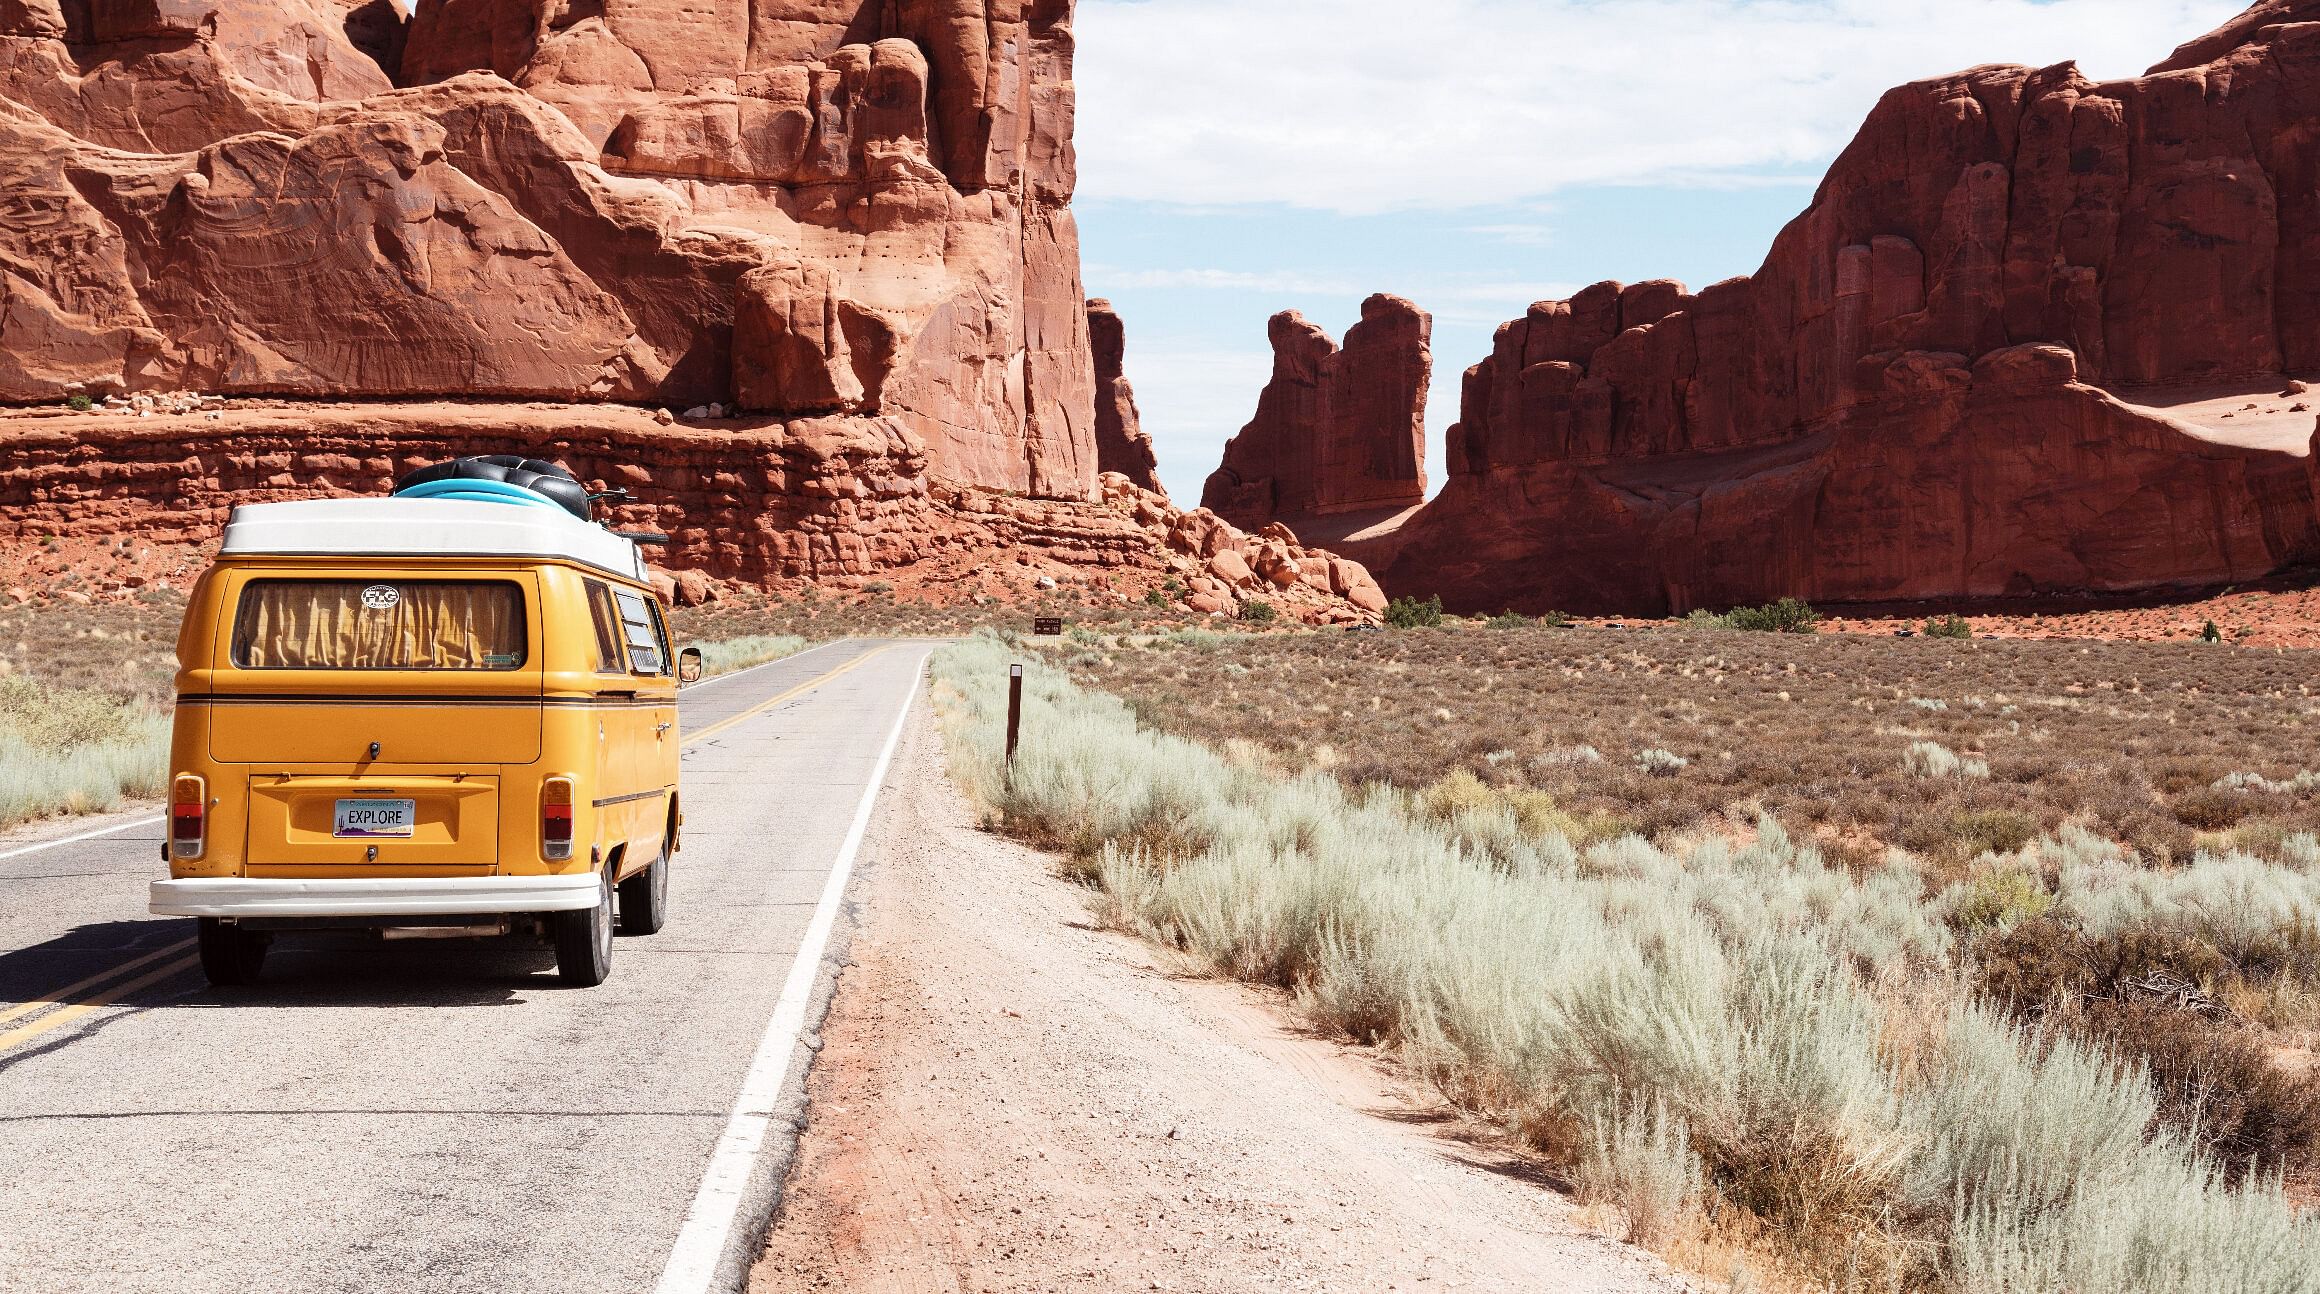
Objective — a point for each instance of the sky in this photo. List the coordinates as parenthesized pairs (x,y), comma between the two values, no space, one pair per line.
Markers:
(1242,157)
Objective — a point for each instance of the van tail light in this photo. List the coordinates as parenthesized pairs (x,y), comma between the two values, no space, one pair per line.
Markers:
(188,815)
(556,818)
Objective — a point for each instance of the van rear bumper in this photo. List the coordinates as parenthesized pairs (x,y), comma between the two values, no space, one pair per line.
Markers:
(402,896)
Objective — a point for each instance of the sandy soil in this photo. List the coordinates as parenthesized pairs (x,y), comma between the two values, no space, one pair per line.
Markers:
(1008,1099)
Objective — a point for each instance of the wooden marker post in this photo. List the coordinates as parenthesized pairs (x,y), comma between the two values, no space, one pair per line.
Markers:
(1014,710)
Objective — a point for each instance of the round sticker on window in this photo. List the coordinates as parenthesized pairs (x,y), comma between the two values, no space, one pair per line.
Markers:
(381,597)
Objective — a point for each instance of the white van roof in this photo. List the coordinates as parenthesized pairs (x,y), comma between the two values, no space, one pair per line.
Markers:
(425,528)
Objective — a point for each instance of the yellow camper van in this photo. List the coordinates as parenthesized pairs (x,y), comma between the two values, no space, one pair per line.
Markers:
(451,712)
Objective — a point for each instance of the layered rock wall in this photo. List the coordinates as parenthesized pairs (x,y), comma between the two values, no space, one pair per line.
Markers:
(756,502)
(1337,430)
(830,207)
(1939,383)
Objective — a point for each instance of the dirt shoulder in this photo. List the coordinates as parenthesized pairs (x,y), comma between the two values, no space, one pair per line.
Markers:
(1009,1099)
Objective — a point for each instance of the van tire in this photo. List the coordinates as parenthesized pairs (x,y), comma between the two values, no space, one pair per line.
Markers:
(644,897)
(584,939)
(230,955)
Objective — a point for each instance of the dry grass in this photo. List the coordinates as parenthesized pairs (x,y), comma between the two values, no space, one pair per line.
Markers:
(2011,740)
(1723,1041)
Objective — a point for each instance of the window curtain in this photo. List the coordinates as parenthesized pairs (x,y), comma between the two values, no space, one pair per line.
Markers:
(316,624)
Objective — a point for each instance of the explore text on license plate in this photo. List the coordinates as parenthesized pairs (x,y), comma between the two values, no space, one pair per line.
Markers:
(375,818)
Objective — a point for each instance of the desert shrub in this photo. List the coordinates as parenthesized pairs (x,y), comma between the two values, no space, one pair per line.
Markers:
(724,656)
(2033,964)
(1554,620)
(67,750)
(1639,1160)
(1999,897)
(1661,763)
(2303,783)
(79,403)
(1510,620)
(876,587)
(1257,611)
(2210,809)
(1199,640)
(1787,616)
(2215,1086)
(1932,759)
(1155,598)
(1967,834)
(1410,613)
(1751,996)
(1950,626)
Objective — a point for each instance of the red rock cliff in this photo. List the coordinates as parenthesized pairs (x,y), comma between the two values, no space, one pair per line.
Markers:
(1121,445)
(1964,371)
(1336,431)
(852,208)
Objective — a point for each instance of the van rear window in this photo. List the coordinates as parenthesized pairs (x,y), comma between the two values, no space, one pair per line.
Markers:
(380,624)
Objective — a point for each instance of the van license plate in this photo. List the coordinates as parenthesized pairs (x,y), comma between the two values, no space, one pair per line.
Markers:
(375,818)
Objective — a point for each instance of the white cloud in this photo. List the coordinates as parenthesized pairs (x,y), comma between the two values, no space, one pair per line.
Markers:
(1378,105)
(1114,279)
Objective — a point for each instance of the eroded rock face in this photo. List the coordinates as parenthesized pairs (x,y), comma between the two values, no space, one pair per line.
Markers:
(1931,388)
(748,501)
(793,207)
(1337,430)
(1121,445)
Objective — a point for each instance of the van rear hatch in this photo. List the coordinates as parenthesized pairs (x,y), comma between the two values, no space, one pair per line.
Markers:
(412,820)
(374,713)
(426,670)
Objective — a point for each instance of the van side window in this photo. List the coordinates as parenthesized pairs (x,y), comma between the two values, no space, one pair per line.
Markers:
(661,631)
(607,619)
(636,619)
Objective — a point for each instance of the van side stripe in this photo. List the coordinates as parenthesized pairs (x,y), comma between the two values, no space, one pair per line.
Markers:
(624,799)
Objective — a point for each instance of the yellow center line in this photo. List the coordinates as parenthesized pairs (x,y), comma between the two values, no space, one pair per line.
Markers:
(47,1000)
(765,705)
(25,1033)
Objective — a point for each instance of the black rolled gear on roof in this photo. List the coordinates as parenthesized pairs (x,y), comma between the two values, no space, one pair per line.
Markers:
(531,473)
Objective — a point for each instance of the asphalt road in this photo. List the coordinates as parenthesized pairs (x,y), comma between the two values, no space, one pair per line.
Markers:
(432,1115)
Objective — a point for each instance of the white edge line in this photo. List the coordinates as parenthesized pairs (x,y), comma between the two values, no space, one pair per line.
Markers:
(86,835)
(700,1247)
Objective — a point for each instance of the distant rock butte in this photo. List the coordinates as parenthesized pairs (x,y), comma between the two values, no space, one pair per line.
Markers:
(1121,445)
(1337,431)
(1987,361)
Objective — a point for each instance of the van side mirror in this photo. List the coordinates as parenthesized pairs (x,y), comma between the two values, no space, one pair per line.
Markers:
(689,665)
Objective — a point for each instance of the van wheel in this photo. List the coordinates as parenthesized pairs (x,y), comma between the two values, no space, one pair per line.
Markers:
(230,955)
(644,897)
(584,939)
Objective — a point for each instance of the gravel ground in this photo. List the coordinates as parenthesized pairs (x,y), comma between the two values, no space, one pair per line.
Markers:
(1009,1099)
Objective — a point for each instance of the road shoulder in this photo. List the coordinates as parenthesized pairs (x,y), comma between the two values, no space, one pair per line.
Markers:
(1008,1098)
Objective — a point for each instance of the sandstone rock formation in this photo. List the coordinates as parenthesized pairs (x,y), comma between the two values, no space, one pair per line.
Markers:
(1121,445)
(797,207)
(1961,373)
(1337,431)
(762,502)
